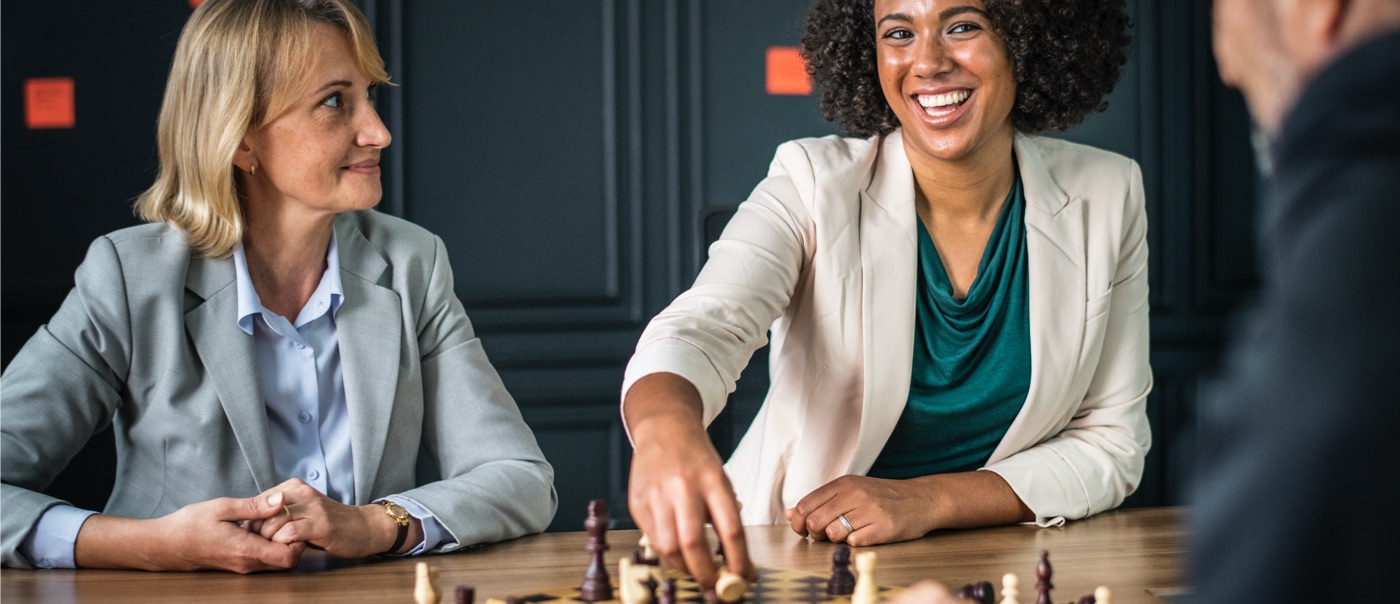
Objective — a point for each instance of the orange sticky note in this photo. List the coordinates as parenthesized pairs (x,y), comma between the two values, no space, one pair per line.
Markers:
(195,3)
(787,72)
(48,103)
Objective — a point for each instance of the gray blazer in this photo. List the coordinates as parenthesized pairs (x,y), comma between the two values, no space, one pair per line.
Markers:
(148,340)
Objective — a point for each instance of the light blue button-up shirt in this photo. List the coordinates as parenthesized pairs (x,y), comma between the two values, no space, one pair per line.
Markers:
(300,379)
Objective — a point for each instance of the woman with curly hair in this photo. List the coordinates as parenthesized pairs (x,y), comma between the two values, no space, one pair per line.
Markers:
(958,307)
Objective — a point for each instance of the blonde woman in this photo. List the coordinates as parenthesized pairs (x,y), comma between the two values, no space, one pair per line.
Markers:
(273,354)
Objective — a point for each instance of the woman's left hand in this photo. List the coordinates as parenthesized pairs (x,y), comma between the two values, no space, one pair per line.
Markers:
(345,531)
(878,510)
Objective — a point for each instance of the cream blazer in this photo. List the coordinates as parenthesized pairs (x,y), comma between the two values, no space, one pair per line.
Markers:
(823,254)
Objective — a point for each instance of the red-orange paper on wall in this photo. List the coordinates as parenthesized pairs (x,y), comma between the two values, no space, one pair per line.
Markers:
(48,103)
(787,72)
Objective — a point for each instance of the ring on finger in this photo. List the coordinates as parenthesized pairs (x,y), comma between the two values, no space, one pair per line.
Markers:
(846,523)
(288,510)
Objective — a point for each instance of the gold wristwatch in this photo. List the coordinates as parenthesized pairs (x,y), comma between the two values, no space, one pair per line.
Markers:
(400,517)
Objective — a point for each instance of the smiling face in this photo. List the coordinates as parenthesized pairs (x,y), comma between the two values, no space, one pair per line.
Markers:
(947,75)
(321,154)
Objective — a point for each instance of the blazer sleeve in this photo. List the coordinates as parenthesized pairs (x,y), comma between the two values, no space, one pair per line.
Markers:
(708,334)
(62,387)
(495,483)
(1097,459)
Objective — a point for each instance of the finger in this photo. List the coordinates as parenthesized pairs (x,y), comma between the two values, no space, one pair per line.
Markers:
(271,555)
(230,509)
(663,534)
(293,532)
(837,532)
(270,526)
(804,508)
(824,515)
(695,547)
(724,511)
(869,534)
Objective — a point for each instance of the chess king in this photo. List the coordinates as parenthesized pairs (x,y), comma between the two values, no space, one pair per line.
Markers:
(957,305)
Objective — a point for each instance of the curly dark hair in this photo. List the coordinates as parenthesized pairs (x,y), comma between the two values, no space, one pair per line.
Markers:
(1066,53)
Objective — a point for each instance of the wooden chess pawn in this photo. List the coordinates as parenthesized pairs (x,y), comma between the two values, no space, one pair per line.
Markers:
(424,592)
(866,592)
(1010,589)
(465,594)
(1102,595)
(842,582)
(730,587)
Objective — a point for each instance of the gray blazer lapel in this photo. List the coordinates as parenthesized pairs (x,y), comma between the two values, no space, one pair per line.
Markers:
(1055,249)
(227,354)
(369,328)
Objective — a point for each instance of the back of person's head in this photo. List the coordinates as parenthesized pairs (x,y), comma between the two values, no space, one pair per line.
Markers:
(237,66)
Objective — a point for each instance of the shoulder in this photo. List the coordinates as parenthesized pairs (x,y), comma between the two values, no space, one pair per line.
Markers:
(828,151)
(1074,163)
(147,255)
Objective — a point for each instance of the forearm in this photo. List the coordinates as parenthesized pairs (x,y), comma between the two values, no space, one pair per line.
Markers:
(121,543)
(971,499)
(661,403)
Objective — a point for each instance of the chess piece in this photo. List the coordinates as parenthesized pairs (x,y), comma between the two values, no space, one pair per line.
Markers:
(466,594)
(866,591)
(1042,579)
(1086,600)
(668,592)
(730,587)
(628,589)
(650,586)
(596,586)
(648,555)
(424,592)
(1010,589)
(1102,595)
(982,593)
(842,582)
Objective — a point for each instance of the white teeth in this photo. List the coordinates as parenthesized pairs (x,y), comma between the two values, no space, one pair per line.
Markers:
(942,100)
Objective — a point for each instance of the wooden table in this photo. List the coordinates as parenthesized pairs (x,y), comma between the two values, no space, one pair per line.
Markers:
(1131,551)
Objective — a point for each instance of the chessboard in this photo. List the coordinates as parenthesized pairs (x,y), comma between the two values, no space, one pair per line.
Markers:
(774,586)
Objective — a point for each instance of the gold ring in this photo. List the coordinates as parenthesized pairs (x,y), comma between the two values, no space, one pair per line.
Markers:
(288,510)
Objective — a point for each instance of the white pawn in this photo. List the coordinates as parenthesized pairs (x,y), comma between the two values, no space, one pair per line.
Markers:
(1102,595)
(423,590)
(1010,590)
(866,592)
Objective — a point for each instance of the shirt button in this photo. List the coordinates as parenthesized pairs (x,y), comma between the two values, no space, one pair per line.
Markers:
(304,417)
(313,475)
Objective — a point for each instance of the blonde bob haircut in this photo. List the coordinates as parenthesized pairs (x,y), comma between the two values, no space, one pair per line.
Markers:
(238,65)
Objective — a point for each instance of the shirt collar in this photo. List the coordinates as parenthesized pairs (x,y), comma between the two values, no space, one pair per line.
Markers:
(328,291)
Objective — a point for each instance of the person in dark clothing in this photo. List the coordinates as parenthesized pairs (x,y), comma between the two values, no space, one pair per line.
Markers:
(1297,488)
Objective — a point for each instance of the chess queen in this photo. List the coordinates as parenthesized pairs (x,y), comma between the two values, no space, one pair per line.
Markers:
(957,305)
(272,353)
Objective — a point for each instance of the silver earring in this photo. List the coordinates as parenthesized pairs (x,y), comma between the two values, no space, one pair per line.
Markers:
(252,169)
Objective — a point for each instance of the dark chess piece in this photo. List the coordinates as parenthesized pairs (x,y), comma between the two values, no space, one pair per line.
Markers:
(981,593)
(466,594)
(984,593)
(842,582)
(596,586)
(668,592)
(651,585)
(1087,600)
(1042,579)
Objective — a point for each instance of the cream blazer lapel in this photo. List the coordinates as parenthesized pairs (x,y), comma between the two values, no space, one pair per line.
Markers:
(889,251)
(1055,250)
(368,327)
(227,354)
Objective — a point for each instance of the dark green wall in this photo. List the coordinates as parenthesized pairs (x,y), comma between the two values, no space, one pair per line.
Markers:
(569,153)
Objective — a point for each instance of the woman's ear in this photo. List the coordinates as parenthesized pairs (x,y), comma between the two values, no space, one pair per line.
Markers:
(244,157)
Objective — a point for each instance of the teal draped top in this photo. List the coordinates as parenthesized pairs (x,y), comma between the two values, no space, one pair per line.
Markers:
(972,357)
